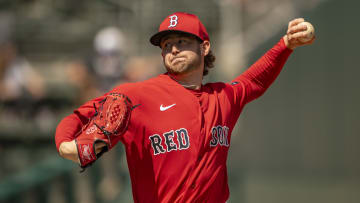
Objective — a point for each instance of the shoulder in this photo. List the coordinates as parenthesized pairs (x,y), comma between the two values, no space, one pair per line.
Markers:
(126,87)
(137,89)
(133,86)
(221,89)
(217,87)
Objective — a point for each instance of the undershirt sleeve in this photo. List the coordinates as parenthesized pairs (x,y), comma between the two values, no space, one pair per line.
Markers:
(257,79)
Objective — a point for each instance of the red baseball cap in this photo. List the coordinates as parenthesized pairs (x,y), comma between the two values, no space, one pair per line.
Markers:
(180,22)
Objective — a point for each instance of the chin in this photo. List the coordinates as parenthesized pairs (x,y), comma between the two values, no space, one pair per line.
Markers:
(178,69)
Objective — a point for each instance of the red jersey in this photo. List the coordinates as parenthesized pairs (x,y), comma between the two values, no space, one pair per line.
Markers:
(178,139)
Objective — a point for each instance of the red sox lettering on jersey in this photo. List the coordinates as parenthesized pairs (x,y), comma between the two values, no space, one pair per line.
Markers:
(182,139)
(219,136)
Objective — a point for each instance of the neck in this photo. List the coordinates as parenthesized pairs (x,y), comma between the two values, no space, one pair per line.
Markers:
(189,80)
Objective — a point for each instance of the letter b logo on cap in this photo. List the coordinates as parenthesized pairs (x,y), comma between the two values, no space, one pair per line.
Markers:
(173,21)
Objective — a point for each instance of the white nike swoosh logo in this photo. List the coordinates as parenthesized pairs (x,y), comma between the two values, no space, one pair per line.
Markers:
(164,108)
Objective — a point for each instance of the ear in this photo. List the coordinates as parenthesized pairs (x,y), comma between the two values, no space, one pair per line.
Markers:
(205,47)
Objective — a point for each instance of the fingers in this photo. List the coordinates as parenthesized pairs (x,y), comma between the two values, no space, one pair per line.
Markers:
(295,22)
(297,35)
(294,26)
(296,29)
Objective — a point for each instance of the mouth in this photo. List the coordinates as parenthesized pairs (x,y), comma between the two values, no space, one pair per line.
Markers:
(177,59)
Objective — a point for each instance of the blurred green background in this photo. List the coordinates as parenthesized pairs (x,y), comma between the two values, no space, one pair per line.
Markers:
(297,143)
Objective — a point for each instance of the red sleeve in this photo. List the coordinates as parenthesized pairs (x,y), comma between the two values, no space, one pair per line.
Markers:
(258,78)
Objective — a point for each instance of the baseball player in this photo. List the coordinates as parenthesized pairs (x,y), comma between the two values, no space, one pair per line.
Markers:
(176,131)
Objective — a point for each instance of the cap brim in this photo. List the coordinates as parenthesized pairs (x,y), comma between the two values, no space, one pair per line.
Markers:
(156,38)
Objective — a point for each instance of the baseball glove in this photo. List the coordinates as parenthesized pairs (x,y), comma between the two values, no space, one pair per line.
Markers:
(110,121)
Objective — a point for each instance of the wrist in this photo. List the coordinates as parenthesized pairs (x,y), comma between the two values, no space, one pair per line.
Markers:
(286,42)
(68,150)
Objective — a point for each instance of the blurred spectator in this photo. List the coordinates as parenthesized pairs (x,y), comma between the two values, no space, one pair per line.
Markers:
(83,81)
(18,80)
(107,64)
(102,70)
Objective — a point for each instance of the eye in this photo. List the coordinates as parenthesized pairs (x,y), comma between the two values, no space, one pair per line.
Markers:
(182,41)
(166,46)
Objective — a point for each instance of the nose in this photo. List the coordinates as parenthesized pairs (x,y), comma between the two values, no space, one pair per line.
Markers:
(174,49)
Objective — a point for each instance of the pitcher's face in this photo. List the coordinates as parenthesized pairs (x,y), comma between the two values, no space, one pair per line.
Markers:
(181,53)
